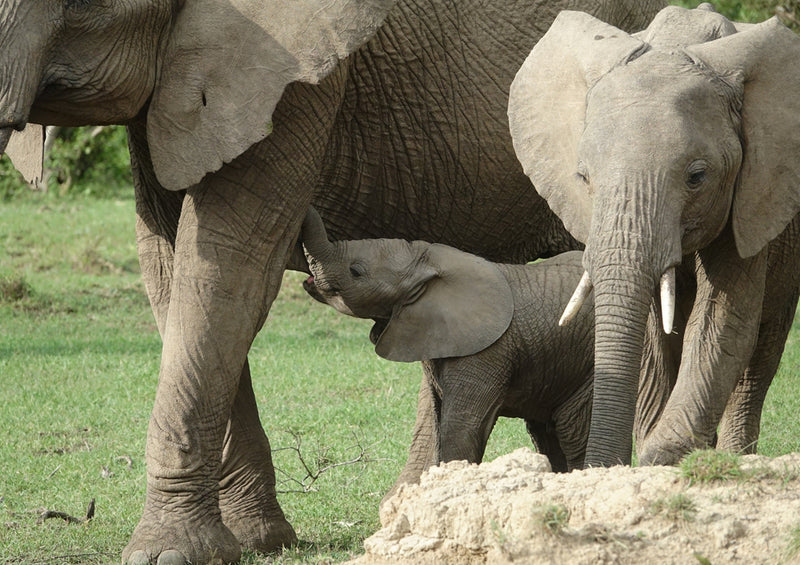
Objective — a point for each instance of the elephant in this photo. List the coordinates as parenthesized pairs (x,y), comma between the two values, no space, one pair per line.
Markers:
(672,154)
(389,116)
(487,335)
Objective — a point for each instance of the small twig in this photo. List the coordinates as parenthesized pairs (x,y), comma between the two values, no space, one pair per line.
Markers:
(47,514)
(323,464)
(54,471)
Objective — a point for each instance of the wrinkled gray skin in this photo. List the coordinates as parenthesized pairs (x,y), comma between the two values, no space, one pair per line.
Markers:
(239,114)
(674,147)
(487,334)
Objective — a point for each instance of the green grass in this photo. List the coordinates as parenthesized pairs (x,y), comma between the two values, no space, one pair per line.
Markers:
(792,543)
(708,465)
(676,507)
(553,518)
(79,356)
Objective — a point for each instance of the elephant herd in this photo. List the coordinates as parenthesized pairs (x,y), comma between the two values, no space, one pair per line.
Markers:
(660,141)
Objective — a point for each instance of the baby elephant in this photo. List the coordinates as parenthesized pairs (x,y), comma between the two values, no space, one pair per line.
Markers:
(487,334)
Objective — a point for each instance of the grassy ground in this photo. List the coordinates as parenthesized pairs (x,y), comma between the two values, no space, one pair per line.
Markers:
(79,355)
(78,365)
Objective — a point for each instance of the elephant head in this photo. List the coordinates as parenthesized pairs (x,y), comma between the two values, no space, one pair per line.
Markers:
(428,300)
(648,146)
(212,71)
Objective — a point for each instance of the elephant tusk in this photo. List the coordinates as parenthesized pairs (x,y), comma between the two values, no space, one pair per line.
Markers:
(668,299)
(576,301)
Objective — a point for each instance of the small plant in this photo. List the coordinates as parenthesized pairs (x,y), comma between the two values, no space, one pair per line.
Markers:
(709,465)
(14,289)
(553,518)
(676,507)
(792,550)
(701,559)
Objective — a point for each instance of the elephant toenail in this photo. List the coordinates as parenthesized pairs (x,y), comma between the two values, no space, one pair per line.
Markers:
(138,558)
(171,557)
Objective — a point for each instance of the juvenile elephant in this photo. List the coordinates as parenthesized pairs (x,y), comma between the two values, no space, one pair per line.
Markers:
(673,154)
(389,116)
(487,334)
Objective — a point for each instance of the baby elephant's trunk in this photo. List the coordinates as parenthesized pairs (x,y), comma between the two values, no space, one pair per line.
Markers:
(314,237)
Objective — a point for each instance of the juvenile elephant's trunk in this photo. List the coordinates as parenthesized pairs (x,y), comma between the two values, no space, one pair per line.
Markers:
(622,300)
(314,237)
(630,253)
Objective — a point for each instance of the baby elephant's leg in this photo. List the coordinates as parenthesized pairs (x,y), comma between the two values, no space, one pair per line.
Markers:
(471,397)
(546,441)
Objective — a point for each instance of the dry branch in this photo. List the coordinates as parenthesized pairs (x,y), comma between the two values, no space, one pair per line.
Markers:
(47,514)
(321,465)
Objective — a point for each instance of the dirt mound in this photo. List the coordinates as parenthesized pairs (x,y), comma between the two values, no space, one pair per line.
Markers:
(514,510)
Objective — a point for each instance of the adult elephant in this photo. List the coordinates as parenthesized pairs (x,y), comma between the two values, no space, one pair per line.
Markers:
(239,114)
(674,148)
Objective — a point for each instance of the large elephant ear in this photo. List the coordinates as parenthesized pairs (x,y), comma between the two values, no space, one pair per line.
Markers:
(26,151)
(765,57)
(675,26)
(226,66)
(547,108)
(464,307)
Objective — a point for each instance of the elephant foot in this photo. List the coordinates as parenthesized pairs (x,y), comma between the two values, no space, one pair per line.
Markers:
(655,450)
(259,529)
(171,535)
(251,511)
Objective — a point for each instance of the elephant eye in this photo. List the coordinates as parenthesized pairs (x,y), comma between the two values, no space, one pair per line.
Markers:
(357,270)
(696,174)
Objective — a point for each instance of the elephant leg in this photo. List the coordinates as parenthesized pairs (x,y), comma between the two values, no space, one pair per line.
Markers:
(225,276)
(424,448)
(247,495)
(718,343)
(248,478)
(471,401)
(544,438)
(661,358)
(571,424)
(741,421)
(235,234)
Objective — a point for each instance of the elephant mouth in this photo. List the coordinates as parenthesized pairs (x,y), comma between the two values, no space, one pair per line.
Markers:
(377,329)
(311,288)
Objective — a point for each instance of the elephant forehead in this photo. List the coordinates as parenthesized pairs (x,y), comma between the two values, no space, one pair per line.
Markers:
(659,77)
(385,256)
(659,99)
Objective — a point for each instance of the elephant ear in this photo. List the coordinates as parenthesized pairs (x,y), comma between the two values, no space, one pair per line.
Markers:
(764,57)
(26,151)
(226,66)
(464,306)
(675,27)
(547,108)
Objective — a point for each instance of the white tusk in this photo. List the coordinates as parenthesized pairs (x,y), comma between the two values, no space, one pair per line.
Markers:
(576,301)
(668,299)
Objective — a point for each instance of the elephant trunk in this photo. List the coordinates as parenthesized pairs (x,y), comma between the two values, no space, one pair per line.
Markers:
(630,253)
(315,238)
(622,304)
(21,65)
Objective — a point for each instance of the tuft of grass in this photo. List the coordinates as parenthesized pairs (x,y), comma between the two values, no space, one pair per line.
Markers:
(703,560)
(793,544)
(707,465)
(553,518)
(676,507)
(14,288)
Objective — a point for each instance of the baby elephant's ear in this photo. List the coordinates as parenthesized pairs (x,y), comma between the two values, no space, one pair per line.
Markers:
(464,308)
